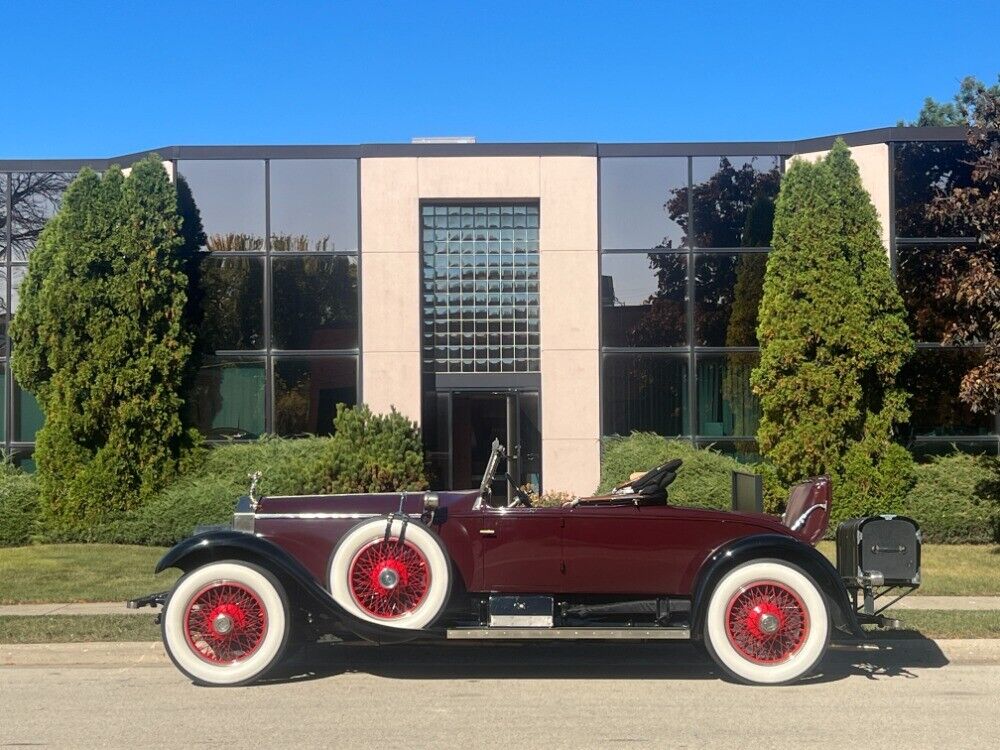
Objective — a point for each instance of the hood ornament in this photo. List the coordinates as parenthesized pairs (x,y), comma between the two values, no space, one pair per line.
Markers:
(254,487)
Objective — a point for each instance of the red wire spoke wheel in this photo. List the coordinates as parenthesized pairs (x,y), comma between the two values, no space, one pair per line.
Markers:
(766,622)
(225,622)
(389,579)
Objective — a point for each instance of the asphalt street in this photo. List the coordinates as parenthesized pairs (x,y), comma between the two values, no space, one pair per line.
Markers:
(614,695)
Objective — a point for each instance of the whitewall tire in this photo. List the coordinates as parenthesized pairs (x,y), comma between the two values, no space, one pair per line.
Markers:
(767,623)
(397,585)
(226,623)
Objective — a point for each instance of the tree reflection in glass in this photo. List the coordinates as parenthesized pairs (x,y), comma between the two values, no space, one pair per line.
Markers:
(35,198)
(315,302)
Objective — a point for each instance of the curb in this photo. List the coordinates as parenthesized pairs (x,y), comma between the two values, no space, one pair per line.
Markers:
(915,652)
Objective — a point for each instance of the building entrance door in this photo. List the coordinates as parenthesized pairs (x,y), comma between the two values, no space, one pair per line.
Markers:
(474,419)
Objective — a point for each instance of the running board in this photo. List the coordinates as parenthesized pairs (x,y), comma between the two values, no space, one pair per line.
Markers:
(631,634)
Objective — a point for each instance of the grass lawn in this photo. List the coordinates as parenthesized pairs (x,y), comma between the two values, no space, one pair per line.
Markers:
(952,569)
(939,623)
(78,628)
(79,573)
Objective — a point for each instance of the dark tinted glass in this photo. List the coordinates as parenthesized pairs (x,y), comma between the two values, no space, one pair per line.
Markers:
(733,200)
(3,401)
(645,392)
(934,376)
(232,303)
(227,399)
(314,205)
(744,451)
(4,339)
(315,302)
(643,299)
(923,170)
(35,198)
(923,451)
(307,391)
(28,416)
(3,215)
(229,195)
(530,440)
(727,294)
(919,268)
(643,202)
(726,405)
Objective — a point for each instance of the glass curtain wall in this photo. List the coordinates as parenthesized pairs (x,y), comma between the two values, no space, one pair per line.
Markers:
(922,170)
(279,288)
(684,243)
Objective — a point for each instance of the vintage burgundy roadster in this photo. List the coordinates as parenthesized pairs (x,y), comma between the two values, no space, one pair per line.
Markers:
(395,567)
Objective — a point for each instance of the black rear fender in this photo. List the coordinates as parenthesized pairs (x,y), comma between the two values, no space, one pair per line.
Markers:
(787,549)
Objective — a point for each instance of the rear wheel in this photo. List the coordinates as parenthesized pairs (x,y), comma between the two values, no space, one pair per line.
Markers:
(226,623)
(767,623)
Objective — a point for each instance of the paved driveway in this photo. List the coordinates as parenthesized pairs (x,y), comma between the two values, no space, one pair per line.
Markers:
(502,695)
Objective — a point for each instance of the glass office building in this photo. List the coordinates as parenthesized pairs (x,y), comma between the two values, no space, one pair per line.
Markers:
(545,294)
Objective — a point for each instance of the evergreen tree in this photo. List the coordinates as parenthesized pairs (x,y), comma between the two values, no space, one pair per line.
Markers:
(833,339)
(100,338)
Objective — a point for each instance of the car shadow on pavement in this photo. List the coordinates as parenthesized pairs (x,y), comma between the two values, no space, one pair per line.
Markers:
(607,660)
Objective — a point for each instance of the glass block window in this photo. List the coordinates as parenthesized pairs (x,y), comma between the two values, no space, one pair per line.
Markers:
(480,284)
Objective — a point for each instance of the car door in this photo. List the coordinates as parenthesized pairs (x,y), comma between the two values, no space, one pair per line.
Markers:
(522,549)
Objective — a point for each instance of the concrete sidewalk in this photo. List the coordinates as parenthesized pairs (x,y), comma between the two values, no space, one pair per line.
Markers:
(118,608)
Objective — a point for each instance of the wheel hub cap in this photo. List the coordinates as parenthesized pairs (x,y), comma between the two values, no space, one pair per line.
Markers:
(225,622)
(766,622)
(389,579)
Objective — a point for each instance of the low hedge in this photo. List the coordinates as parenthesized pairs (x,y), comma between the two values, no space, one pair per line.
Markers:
(19,506)
(956,498)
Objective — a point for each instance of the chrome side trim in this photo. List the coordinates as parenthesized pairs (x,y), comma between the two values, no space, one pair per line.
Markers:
(342,516)
(631,634)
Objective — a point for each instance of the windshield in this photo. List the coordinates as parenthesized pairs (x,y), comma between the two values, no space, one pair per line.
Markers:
(486,488)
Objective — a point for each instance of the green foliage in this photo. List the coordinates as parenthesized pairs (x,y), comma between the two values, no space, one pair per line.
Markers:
(959,111)
(704,479)
(19,511)
(833,338)
(372,453)
(100,339)
(956,498)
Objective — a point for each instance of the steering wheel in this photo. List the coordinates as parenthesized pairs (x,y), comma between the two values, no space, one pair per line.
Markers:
(521,498)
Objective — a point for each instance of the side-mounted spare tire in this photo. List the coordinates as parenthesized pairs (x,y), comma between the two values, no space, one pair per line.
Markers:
(399,581)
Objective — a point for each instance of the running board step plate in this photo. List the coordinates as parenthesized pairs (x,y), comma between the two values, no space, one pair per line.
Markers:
(631,634)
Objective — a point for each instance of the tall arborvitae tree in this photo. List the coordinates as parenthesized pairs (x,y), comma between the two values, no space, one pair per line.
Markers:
(833,338)
(100,339)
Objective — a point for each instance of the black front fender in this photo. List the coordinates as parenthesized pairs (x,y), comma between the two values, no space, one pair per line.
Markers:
(749,548)
(304,590)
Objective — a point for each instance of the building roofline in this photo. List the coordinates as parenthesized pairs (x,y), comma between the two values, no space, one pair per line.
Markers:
(694,148)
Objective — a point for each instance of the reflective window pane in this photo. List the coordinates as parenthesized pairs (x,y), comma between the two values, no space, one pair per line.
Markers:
(919,268)
(923,451)
(934,376)
(726,405)
(34,199)
(227,399)
(3,401)
(3,215)
(27,416)
(745,451)
(643,202)
(923,170)
(4,338)
(643,299)
(645,393)
(314,205)
(229,195)
(733,200)
(315,302)
(307,391)
(727,294)
(232,303)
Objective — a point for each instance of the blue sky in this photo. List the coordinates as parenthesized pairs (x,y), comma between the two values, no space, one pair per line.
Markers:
(88,79)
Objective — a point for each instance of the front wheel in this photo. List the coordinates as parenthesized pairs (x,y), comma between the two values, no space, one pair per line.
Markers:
(226,623)
(767,623)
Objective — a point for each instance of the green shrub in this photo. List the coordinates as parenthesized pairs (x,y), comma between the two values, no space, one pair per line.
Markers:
(371,453)
(19,508)
(704,479)
(100,339)
(956,498)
